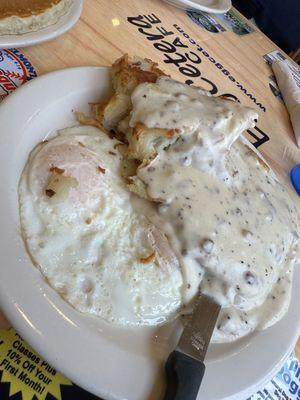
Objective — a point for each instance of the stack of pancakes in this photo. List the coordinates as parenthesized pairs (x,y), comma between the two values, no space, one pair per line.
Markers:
(22,16)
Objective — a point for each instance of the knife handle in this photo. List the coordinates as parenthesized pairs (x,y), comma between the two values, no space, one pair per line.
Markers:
(184,376)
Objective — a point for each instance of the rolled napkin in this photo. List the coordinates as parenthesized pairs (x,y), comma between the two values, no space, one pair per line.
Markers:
(288,80)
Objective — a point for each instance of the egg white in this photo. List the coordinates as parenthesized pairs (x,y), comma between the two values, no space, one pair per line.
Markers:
(92,245)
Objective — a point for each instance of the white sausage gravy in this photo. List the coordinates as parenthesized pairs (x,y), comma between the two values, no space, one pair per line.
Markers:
(230,222)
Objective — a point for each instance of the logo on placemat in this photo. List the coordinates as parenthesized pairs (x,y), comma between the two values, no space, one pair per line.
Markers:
(235,22)
(206,21)
(15,69)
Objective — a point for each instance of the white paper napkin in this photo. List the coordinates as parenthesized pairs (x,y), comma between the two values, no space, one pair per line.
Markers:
(288,80)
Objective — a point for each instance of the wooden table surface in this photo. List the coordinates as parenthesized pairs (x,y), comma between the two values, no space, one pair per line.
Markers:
(223,62)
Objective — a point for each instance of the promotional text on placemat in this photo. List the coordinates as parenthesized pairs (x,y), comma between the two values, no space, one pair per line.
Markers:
(26,371)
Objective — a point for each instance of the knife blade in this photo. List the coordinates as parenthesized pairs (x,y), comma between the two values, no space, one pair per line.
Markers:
(185,365)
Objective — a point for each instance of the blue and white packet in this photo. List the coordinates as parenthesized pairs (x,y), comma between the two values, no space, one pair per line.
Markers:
(285,385)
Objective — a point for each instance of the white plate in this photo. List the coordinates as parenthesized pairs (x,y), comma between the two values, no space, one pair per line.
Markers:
(110,362)
(28,39)
(209,6)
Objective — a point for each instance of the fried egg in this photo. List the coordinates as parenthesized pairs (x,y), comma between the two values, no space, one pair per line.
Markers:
(83,232)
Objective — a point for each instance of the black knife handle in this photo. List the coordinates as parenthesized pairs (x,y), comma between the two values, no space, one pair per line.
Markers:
(184,376)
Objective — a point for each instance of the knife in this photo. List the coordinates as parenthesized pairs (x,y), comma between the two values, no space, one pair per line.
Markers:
(185,365)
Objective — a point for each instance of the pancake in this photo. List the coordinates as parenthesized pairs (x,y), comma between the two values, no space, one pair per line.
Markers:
(22,16)
(25,8)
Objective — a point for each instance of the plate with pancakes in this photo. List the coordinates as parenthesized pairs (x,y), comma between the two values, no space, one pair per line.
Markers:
(28,22)
(121,197)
